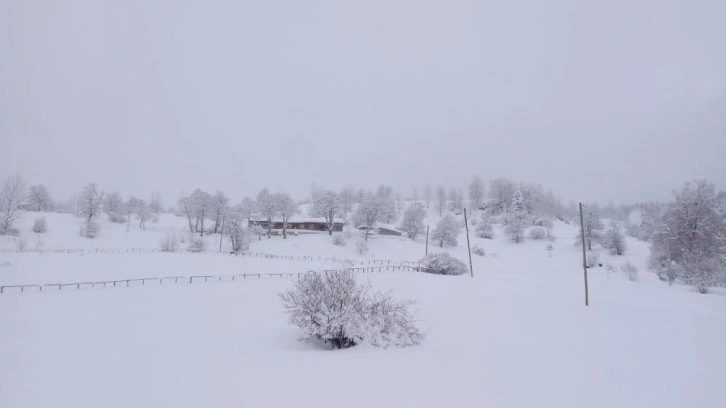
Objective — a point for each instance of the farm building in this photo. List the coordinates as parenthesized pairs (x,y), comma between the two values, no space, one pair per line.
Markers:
(306,224)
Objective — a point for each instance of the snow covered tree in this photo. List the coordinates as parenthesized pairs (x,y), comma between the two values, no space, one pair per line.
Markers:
(186,207)
(268,208)
(334,308)
(115,208)
(368,213)
(514,228)
(39,226)
(614,240)
(441,200)
(327,205)
(446,231)
(139,208)
(90,201)
(202,203)
(501,192)
(484,229)
(219,206)
(287,208)
(39,198)
(413,218)
(456,200)
(236,228)
(248,207)
(156,205)
(593,227)
(387,202)
(12,199)
(476,192)
(347,197)
(427,196)
(517,205)
(692,236)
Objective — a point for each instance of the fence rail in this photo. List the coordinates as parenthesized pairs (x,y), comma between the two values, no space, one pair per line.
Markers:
(193,279)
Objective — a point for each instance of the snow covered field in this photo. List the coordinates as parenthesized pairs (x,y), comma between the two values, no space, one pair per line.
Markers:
(516,335)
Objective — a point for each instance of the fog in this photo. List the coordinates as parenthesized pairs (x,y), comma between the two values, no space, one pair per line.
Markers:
(616,101)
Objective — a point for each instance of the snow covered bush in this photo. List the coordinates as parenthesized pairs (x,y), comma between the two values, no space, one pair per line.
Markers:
(444,264)
(334,308)
(477,250)
(446,231)
(543,222)
(538,233)
(197,244)
(484,229)
(39,225)
(90,229)
(361,246)
(515,229)
(169,242)
(630,271)
(614,241)
(593,259)
(338,240)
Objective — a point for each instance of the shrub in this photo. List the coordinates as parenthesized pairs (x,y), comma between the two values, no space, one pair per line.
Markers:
(614,241)
(335,309)
(477,250)
(338,240)
(197,244)
(90,229)
(444,264)
(361,246)
(630,271)
(593,259)
(515,229)
(169,242)
(542,222)
(484,230)
(39,226)
(538,233)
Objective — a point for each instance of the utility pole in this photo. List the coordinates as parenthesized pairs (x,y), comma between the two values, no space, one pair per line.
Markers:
(427,240)
(468,247)
(584,255)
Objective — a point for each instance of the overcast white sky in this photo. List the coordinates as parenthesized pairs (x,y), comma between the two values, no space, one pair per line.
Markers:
(606,101)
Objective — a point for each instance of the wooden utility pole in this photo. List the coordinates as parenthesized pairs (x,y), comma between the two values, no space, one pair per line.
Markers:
(221,234)
(468,247)
(584,255)
(427,240)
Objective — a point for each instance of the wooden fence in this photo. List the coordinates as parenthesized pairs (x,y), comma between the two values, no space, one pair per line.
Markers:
(192,279)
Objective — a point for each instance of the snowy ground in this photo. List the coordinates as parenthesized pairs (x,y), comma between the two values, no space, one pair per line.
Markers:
(516,335)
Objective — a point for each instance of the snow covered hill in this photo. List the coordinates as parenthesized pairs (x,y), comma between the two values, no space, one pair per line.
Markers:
(515,335)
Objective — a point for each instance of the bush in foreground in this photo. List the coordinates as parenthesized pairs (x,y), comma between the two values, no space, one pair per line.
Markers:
(444,264)
(335,309)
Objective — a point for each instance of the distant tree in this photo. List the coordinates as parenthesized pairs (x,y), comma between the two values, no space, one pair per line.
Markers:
(501,192)
(347,197)
(186,207)
(476,192)
(414,195)
(516,217)
(328,205)
(427,196)
(89,203)
(593,227)
(268,208)
(236,228)
(614,240)
(413,218)
(692,236)
(387,201)
(114,207)
(484,229)
(39,226)
(248,207)
(440,200)
(219,206)
(156,205)
(202,204)
(456,200)
(12,200)
(446,231)
(287,208)
(368,213)
(39,198)
(140,209)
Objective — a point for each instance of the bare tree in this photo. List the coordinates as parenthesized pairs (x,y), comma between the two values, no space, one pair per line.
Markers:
(476,192)
(328,205)
(156,205)
(287,208)
(441,200)
(39,198)
(267,206)
(219,206)
(12,199)
(89,202)
(368,213)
